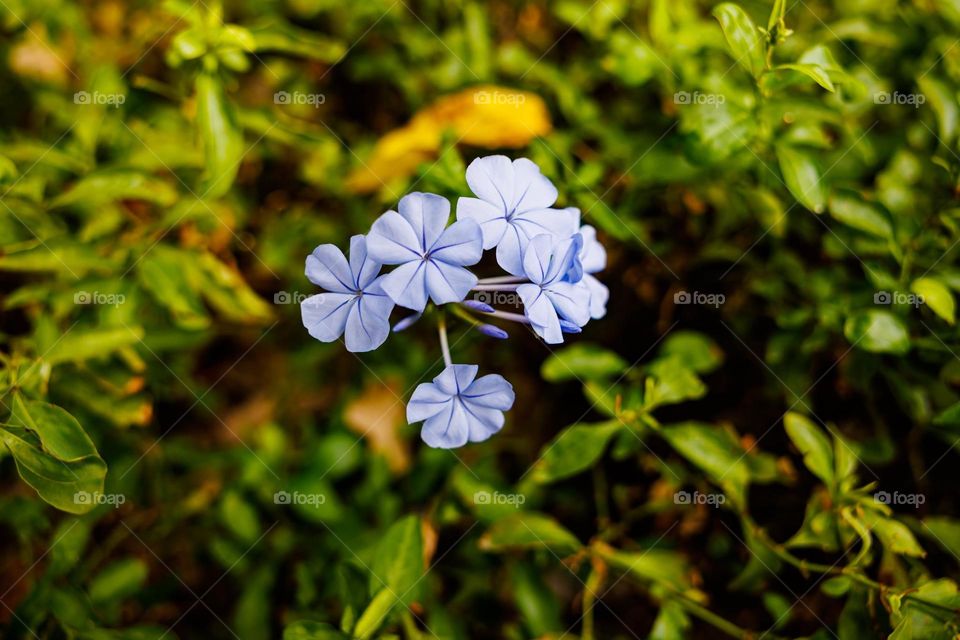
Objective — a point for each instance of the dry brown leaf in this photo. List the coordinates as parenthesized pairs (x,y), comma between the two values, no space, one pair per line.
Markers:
(377,414)
(35,58)
(484,116)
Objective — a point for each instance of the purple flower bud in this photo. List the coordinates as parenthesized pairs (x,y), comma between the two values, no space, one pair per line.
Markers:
(569,327)
(406,323)
(492,331)
(477,305)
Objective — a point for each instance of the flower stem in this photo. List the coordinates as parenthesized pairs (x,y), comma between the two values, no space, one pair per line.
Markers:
(463,313)
(509,317)
(502,280)
(444,344)
(497,287)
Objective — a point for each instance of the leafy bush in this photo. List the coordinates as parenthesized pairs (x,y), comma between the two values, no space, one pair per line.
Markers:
(764,441)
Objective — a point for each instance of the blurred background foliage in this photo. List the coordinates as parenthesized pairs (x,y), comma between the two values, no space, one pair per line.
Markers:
(166,166)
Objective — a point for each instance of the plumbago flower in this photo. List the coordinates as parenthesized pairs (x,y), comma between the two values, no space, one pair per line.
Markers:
(593,259)
(512,206)
(555,291)
(356,306)
(549,258)
(457,407)
(431,255)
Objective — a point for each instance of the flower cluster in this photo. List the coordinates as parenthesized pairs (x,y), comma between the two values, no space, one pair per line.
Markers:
(549,259)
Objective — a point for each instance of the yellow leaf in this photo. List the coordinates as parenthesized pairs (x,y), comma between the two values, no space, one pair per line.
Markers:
(377,415)
(485,116)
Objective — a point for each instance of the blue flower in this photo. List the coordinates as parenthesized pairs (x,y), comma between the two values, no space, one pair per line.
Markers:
(356,305)
(458,409)
(431,255)
(513,205)
(550,296)
(593,258)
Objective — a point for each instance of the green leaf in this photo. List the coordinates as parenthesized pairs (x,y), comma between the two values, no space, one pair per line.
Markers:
(861,215)
(651,565)
(744,39)
(718,453)
(693,349)
(945,532)
(937,297)
(108,186)
(59,432)
(375,614)
(812,71)
(877,331)
(671,382)
(65,463)
(944,102)
(672,623)
(398,562)
(916,621)
(226,291)
(240,517)
(582,361)
(82,344)
(813,444)
(535,601)
(575,449)
(281,37)
(894,535)
(118,580)
(222,137)
(167,275)
(803,178)
(949,417)
(526,530)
